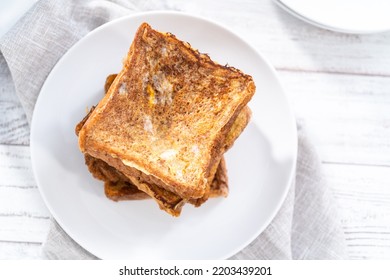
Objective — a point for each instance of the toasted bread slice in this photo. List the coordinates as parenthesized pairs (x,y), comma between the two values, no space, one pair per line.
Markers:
(123,187)
(118,187)
(122,190)
(125,190)
(219,185)
(182,107)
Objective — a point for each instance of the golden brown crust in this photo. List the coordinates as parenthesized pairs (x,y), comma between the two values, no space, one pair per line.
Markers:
(109,80)
(122,190)
(118,187)
(220,184)
(236,129)
(218,179)
(83,121)
(168,200)
(161,95)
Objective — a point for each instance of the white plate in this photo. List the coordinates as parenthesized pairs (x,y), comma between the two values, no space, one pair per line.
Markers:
(348,16)
(260,165)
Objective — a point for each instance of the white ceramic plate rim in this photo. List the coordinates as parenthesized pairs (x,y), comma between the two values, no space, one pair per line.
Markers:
(328,25)
(34,156)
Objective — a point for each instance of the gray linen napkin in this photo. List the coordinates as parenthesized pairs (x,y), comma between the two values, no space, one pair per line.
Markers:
(306,227)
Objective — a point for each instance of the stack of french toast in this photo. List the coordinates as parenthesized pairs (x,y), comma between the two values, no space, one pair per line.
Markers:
(165,123)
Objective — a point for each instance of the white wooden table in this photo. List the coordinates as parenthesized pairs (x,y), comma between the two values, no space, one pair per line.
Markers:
(338,84)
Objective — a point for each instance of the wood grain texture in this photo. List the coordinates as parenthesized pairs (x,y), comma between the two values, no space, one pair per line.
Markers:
(348,115)
(24,228)
(23,215)
(15,167)
(20,251)
(338,84)
(291,44)
(363,196)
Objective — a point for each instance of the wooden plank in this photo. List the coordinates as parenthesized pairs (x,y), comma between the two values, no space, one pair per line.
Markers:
(23,215)
(348,116)
(363,197)
(292,44)
(22,202)
(20,251)
(15,167)
(23,228)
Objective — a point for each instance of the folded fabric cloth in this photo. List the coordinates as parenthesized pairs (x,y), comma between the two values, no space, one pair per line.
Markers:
(306,227)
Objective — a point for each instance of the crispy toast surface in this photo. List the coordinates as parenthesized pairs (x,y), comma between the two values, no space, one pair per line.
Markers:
(120,187)
(219,179)
(124,187)
(182,107)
